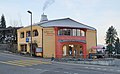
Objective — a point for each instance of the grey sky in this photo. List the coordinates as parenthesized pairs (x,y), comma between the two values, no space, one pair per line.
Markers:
(100,14)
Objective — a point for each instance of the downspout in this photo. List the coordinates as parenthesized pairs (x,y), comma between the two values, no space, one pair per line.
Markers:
(96,37)
(42,42)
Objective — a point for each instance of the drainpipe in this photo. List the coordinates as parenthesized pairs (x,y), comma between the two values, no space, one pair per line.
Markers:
(42,42)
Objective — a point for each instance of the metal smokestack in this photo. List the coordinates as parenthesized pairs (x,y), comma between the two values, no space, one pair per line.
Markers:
(43,18)
(46,5)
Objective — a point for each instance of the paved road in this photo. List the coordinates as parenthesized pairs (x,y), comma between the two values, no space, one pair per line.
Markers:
(15,64)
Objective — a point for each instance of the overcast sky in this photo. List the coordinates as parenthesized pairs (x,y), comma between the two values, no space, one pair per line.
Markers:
(100,14)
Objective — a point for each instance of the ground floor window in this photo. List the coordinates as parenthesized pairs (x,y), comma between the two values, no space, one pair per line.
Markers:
(23,48)
(64,50)
(72,50)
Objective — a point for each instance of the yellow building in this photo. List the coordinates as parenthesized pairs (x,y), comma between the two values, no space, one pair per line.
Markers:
(57,38)
(24,34)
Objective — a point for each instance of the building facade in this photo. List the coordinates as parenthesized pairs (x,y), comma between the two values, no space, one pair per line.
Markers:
(58,38)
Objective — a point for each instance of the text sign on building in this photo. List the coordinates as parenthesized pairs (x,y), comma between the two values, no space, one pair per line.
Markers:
(27,39)
(49,32)
(39,49)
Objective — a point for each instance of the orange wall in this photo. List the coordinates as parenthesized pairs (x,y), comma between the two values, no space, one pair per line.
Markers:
(59,45)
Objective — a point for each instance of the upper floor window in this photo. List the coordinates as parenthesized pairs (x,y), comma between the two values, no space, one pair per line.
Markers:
(78,32)
(71,32)
(75,32)
(35,33)
(60,32)
(66,32)
(22,35)
(28,34)
(82,33)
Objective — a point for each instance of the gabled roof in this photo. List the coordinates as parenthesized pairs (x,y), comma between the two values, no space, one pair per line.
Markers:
(66,22)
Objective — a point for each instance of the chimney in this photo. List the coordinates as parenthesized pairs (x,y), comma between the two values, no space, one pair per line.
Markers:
(43,18)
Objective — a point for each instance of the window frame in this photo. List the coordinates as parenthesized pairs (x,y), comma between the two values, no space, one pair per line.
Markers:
(83,34)
(35,33)
(28,33)
(22,35)
(71,32)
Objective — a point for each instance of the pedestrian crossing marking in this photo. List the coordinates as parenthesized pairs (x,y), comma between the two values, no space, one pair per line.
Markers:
(24,63)
(11,63)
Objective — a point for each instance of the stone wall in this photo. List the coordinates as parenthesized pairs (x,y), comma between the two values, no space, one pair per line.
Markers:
(8,47)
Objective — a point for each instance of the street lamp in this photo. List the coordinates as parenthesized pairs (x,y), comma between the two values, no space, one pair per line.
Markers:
(31,32)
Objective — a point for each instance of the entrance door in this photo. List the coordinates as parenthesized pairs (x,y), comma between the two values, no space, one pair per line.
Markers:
(75,50)
(34,45)
(70,50)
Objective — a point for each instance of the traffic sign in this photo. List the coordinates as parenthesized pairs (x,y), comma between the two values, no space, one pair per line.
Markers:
(27,39)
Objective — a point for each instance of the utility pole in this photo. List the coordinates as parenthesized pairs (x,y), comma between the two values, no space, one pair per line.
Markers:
(31,33)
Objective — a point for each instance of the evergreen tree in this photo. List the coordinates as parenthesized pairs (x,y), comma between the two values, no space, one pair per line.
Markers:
(117,46)
(111,36)
(2,22)
(2,25)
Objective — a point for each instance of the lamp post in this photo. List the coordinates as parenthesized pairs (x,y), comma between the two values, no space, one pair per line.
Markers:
(31,32)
